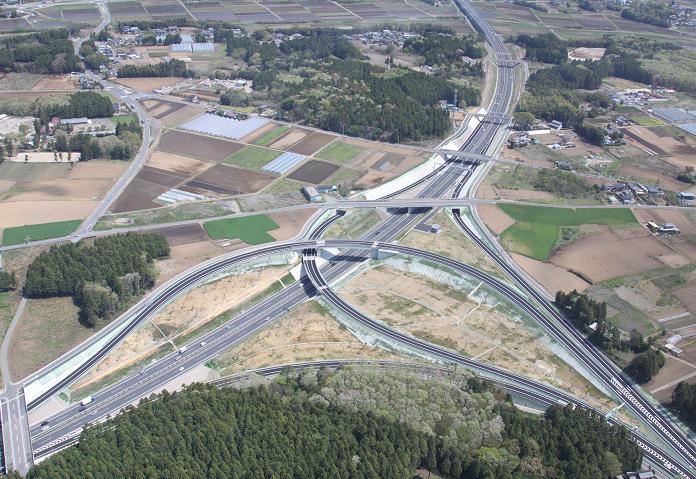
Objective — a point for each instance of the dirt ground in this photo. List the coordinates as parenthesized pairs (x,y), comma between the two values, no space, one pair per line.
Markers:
(314,171)
(584,53)
(678,218)
(148,84)
(54,318)
(197,146)
(182,165)
(290,222)
(663,384)
(612,253)
(451,242)
(228,180)
(55,82)
(438,313)
(60,190)
(185,256)
(256,134)
(97,169)
(495,219)
(492,192)
(208,301)
(312,143)
(385,158)
(308,332)
(181,115)
(19,213)
(682,153)
(651,176)
(290,138)
(550,276)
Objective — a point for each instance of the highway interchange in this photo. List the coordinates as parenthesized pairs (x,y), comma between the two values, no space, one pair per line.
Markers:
(450,179)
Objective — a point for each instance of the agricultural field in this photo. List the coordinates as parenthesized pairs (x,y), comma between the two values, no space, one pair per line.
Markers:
(270,136)
(53,192)
(252,230)
(537,229)
(22,234)
(252,157)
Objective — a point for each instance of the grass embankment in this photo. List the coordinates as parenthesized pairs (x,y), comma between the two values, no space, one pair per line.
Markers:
(250,229)
(252,157)
(537,228)
(20,234)
(339,152)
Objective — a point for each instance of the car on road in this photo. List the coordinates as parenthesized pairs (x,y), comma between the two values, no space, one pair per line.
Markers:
(181,368)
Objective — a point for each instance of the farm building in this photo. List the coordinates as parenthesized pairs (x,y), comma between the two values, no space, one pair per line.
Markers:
(311,194)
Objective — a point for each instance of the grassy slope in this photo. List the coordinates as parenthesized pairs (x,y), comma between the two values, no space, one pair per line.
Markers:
(250,229)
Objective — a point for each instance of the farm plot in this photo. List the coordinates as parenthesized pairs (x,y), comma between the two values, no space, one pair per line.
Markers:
(80,13)
(139,195)
(290,223)
(180,165)
(210,11)
(197,146)
(367,11)
(232,129)
(184,234)
(292,12)
(127,10)
(165,9)
(290,138)
(252,157)
(267,134)
(11,24)
(312,143)
(339,152)
(327,10)
(230,181)
(250,229)
(155,108)
(19,234)
(313,171)
(537,229)
(594,22)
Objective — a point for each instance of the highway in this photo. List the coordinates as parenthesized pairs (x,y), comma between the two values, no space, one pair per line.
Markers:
(65,426)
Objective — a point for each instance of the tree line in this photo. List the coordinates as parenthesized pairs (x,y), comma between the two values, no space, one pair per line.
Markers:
(300,428)
(684,402)
(170,68)
(443,49)
(101,277)
(50,51)
(583,312)
(121,146)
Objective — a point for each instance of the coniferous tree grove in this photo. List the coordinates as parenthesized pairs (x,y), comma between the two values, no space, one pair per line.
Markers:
(282,431)
(103,277)
(684,402)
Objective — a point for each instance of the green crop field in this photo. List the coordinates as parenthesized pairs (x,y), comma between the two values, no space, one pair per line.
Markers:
(250,229)
(117,119)
(269,136)
(339,152)
(644,120)
(18,234)
(537,228)
(252,157)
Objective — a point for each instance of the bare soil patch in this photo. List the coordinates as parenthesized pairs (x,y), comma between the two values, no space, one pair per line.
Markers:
(181,115)
(97,169)
(671,371)
(197,146)
(228,180)
(371,179)
(495,219)
(312,143)
(208,301)
(289,139)
(687,296)
(183,234)
(551,277)
(19,213)
(685,225)
(445,315)
(55,82)
(314,171)
(651,176)
(180,165)
(682,150)
(307,333)
(186,255)
(290,222)
(611,253)
(161,108)
(256,134)
(88,189)
(160,177)
(148,84)
(451,242)
(138,196)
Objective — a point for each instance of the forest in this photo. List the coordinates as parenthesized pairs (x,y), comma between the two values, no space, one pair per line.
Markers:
(684,402)
(50,51)
(442,48)
(121,146)
(82,103)
(170,68)
(103,277)
(335,425)
(321,79)
(652,13)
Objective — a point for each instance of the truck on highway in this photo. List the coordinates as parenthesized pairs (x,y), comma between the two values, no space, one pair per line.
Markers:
(183,350)
(86,401)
